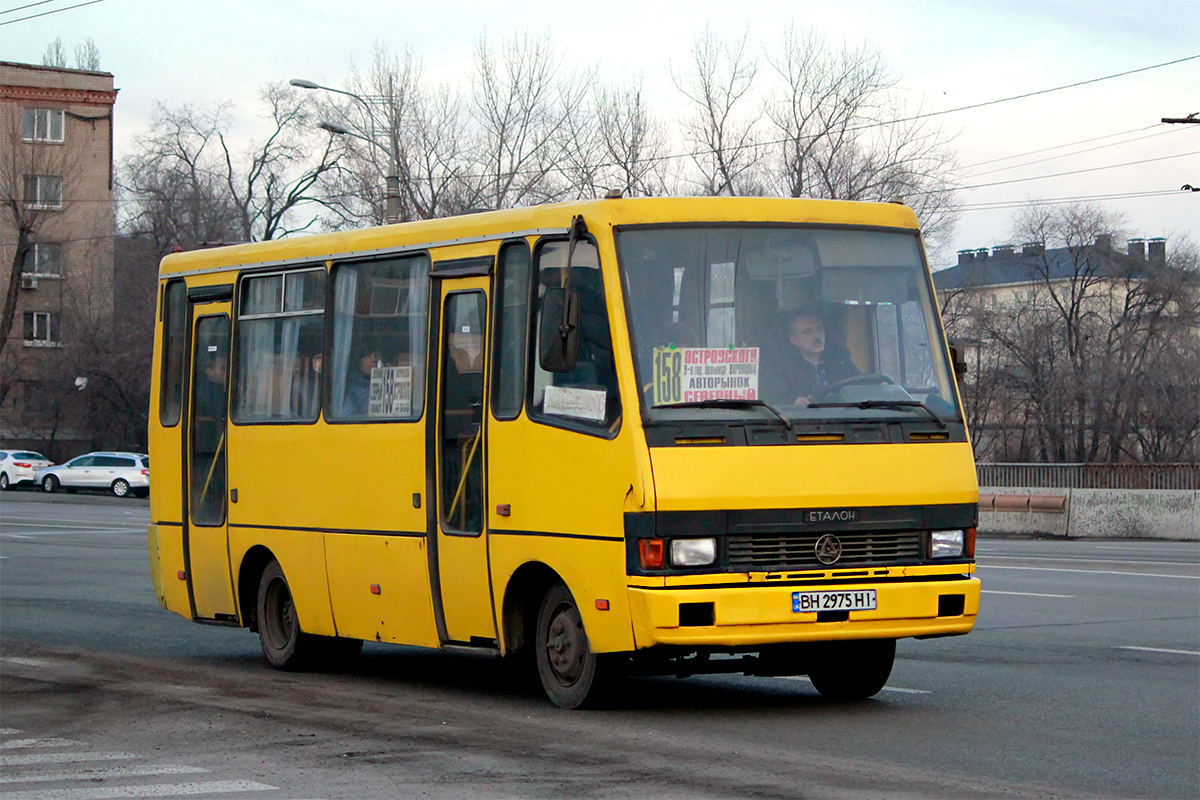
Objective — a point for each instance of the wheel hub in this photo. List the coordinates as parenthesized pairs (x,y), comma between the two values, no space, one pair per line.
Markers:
(566,644)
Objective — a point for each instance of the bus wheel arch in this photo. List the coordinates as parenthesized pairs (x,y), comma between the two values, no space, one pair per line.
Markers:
(522,600)
(249,577)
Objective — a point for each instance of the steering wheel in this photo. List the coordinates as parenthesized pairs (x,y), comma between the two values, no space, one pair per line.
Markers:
(854,380)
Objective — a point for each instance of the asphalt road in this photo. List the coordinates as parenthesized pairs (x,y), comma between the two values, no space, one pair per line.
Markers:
(1082,678)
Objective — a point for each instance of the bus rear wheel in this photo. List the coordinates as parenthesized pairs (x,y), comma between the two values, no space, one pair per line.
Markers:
(283,643)
(852,670)
(568,669)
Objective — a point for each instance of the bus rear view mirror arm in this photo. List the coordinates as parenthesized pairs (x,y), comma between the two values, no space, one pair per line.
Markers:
(559,332)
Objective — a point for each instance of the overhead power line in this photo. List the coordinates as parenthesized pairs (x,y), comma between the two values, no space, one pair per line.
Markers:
(48,13)
(1074,152)
(1003,204)
(27,5)
(1077,171)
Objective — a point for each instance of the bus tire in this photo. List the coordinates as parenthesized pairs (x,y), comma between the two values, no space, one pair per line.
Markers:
(569,671)
(283,643)
(852,670)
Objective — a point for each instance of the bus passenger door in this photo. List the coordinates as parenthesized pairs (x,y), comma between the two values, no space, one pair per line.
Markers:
(461,548)
(205,499)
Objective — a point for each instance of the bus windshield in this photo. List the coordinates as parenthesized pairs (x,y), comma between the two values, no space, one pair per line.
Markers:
(810,323)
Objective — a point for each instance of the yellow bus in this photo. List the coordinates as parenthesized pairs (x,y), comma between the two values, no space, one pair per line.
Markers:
(621,436)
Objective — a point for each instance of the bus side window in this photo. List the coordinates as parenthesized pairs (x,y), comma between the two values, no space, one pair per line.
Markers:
(170,401)
(587,395)
(281,341)
(380,319)
(510,322)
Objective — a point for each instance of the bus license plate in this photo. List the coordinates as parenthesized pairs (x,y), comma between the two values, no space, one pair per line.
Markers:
(811,602)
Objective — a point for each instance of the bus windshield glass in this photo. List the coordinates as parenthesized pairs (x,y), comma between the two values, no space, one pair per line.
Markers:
(813,323)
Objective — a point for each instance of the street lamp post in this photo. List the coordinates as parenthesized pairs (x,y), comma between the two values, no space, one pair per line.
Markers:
(392,180)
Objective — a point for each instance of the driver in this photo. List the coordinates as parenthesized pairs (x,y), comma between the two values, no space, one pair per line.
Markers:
(810,372)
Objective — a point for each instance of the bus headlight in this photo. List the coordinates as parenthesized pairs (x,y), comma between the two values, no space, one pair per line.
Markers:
(946,544)
(693,552)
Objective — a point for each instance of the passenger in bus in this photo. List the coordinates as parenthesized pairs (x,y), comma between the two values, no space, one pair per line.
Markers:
(810,370)
(358,384)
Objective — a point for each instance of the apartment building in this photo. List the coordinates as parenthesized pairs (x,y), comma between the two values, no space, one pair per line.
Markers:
(56,247)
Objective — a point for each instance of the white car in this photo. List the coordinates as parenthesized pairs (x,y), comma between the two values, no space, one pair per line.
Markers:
(123,474)
(20,466)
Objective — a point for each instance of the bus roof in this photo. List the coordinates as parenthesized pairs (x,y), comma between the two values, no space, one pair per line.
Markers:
(533,220)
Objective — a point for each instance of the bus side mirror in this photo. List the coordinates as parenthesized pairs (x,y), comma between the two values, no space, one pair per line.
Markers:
(558,334)
(958,358)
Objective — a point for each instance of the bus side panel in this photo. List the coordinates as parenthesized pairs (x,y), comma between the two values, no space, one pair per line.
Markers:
(166,501)
(402,611)
(570,484)
(166,563)
(301,554)
(341,483)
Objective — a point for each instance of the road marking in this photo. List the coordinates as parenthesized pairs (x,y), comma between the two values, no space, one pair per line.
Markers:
(1027,594)
(1084,558)
(158,790)
(98,774)
(15,743)
(8,731)
(61,758)
(1096,572)
(806,679)
(25,662)
(1160,650)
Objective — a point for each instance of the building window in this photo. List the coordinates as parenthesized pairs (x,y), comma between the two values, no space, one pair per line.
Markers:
(43,191)
(42,124)
(40,329)
(44,259)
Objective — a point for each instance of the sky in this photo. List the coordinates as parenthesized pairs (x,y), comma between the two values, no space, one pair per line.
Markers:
(946,54)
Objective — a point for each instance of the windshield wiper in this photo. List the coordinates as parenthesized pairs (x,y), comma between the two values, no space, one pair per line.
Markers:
(898,404)
(730,403)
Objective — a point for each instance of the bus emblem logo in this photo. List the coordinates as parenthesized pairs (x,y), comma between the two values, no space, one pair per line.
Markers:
(828,549)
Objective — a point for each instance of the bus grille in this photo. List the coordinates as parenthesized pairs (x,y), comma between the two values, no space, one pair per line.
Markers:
(798,551)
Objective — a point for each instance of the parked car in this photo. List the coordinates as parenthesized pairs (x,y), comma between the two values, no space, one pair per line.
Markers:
(122,474)
(20,466)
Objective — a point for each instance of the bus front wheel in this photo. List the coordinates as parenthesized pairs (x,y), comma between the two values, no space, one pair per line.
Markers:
(566,665)
(852,670)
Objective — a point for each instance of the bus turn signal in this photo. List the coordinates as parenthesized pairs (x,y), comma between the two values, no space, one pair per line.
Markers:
(652,553)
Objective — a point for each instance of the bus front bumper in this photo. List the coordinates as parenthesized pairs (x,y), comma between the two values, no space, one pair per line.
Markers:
(746,616)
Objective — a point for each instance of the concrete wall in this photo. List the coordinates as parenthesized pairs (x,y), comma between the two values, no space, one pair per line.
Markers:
(1116,513)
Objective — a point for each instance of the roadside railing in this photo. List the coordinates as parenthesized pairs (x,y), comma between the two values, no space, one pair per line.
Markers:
(1091,476)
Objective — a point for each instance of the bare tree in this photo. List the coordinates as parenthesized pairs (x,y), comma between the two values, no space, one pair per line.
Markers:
(32,181)
(87,55)
(523,100)
(633,145)
(55,55)
(841,131)
(721,127)
(187,175)
(399,126)
(1091,356)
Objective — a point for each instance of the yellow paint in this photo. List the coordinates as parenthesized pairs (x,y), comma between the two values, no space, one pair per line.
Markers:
(332,502)
(402,612)
(820,476)
(746,616)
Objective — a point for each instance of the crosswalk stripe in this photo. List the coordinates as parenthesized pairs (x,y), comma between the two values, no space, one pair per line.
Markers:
(18,743)
(61,758)
(104,772)
(25,662)
(155,790)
